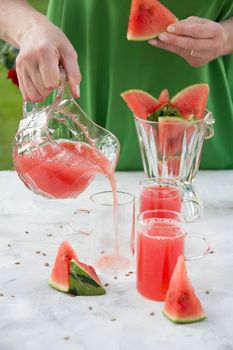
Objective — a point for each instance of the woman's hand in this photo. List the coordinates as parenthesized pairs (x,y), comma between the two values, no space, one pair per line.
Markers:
(42,50)
(195,39)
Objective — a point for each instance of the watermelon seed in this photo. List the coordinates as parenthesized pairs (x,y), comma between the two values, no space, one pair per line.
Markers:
(127,274)
(66,338)
(17,263)
(115,277)
(106,284)
(12,296)
(72,295)
(102,252)
(49,235)
(90,308)
(113,319)
(1,294)
(26,232)
(46,264)
(152,314)
(38,252)
(61,226)
(131,272)
(207,292)
(211,252)
(43,254)
(9,245)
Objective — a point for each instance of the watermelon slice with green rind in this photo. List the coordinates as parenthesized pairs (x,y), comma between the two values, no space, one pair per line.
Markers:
(60,276)
(140,102)
(192,100)
(147,19)
(181,303)
(84,280)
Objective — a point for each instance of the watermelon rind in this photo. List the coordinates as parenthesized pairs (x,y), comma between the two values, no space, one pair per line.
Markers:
(185,320)
(82,282)
(171,119)
(57,286)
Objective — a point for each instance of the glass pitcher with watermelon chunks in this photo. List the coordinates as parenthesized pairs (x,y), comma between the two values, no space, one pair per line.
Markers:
(58,150)
(171,148)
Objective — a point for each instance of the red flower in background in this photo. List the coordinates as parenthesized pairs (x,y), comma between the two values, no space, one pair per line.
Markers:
(13,76)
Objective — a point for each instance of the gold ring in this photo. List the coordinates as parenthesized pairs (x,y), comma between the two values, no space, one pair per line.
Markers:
(191,52)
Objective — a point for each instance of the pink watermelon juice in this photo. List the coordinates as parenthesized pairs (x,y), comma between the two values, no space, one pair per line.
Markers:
(62,169)
(159,245)
(160,197)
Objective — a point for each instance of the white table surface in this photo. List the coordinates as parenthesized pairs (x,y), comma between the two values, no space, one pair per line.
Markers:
(34,316)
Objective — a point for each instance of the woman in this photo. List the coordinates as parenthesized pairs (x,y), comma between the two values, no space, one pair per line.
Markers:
(196,49)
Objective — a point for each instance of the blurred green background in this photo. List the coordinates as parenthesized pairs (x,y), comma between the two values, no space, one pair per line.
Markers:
(11,107)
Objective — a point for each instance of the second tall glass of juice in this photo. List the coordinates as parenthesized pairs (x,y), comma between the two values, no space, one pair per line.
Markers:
(167,194)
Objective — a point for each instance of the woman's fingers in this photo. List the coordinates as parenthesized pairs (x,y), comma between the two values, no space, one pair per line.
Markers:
(69,61)
(48,63)
(22,87)
(197,40)
(38,62)
(204,29)
(36,78)
(185,42)
(31,90)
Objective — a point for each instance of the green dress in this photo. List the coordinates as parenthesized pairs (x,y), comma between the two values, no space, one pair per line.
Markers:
(110,65)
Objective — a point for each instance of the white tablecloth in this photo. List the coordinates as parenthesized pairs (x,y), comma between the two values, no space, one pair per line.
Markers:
(33,316)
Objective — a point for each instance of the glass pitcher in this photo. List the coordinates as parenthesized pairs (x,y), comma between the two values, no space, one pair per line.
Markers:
(172,149)
(58,150)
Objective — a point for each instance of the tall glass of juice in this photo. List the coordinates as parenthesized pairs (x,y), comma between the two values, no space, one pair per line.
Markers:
(161,237)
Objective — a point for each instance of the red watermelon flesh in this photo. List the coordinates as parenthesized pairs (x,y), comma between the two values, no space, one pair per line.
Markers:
(164,97)
(148,18)
(173,131)
(192,100)
(140,102)
(59,278)
(181,303)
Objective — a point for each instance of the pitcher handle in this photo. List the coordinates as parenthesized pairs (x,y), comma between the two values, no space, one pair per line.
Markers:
(209,122)
(191,206)
(29,106)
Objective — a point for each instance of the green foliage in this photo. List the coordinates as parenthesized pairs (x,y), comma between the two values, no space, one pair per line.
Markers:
(8,55)
(165,111)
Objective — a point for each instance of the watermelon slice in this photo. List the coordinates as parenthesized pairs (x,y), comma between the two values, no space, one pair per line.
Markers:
(148,18)
(140,102)
(84,280)
(172,131)
(181,303)
(192,100)
(164,97)
(60,276)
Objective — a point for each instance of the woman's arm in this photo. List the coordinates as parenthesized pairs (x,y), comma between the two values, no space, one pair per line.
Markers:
(197,40)
(42,45)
